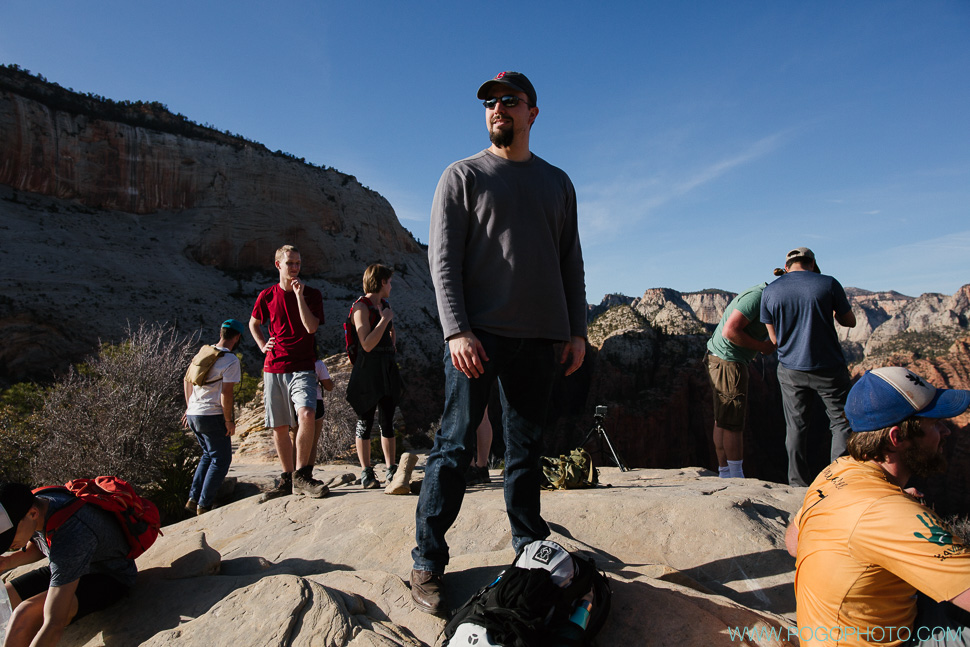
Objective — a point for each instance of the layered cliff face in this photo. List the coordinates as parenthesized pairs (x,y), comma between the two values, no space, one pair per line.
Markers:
(646,364)
(113,214)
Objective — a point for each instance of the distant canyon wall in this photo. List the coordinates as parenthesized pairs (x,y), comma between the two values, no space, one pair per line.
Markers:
(114,213)
(646,365)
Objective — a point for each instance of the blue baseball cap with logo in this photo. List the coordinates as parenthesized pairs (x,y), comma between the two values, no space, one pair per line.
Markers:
(886,396)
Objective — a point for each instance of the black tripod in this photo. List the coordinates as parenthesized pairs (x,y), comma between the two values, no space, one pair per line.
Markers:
(601,437)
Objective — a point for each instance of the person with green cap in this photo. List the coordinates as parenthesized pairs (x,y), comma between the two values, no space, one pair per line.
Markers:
(209,414)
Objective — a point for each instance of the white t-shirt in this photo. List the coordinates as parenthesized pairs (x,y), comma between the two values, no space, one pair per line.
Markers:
(322,374)
(206,400)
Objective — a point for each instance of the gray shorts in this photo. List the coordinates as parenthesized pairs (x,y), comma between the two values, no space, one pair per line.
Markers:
(285,393)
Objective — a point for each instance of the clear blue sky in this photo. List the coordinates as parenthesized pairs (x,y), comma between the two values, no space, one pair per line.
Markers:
(705,138)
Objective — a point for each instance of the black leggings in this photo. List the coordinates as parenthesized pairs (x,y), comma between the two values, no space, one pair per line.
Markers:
(366,422)
(95,591)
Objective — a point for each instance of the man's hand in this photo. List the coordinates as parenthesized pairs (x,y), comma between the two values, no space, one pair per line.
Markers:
(185,420)
(767,348)
(297,286)
(269,345)
(577,348)
(467,354)
(230,427)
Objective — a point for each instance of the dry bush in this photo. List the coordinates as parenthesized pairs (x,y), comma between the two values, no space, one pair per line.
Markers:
(119,414)
(339,422)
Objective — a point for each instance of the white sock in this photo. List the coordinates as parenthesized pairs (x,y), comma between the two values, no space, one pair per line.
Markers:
(735,469)
(724,472)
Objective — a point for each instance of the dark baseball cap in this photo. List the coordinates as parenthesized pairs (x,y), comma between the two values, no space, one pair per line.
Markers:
(15,501)
(515,80)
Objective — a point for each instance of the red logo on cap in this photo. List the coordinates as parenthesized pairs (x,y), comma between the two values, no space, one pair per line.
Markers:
(500,75)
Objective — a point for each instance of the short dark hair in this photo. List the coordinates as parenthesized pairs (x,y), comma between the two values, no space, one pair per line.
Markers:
(874,445)
(228,334)
(375,275)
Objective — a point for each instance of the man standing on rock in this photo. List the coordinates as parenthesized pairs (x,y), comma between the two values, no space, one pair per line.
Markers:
(797,310)
(209,414)
(874,565)
(739,337)
(509,280)
(292,312)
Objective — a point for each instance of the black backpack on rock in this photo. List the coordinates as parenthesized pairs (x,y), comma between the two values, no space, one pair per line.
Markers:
(530,602)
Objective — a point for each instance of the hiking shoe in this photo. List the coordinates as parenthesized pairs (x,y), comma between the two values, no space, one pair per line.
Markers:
(305,484)
(191,506)
(426,591)
(399,483)
(368,480)
(284,487)
(389,473)
(476,475)
(199,511)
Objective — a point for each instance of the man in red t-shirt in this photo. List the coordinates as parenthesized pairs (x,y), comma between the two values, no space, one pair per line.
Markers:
(292,312)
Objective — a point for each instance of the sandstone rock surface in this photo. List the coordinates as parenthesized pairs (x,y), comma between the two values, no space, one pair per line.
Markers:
(689,556)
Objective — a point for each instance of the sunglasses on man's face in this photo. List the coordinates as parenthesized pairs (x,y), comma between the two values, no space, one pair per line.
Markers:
(509,101)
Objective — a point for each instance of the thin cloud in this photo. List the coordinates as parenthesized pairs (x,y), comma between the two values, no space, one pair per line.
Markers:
(617,203)
(758,149)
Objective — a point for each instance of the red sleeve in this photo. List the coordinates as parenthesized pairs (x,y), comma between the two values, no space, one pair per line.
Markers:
(260,311)
(314,300)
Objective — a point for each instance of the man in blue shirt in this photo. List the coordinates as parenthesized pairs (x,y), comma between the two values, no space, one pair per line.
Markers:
(88,566)
(797,309)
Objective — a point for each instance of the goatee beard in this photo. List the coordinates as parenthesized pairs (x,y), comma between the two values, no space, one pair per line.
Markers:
(501,138)
(922,462)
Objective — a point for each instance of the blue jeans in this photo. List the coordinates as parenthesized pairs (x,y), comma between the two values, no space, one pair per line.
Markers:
(525,370)
(216,445)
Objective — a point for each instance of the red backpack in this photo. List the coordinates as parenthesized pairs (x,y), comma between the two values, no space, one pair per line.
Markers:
(350,330)
(137,516)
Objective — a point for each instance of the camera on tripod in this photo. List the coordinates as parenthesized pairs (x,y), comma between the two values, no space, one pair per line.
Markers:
(602,439)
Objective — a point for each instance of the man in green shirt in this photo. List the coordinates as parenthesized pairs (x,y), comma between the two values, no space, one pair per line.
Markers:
(739,337)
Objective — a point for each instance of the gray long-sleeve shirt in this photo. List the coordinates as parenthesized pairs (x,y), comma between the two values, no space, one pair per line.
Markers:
(504,252)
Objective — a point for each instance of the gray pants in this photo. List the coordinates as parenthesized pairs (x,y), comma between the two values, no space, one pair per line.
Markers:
(798,389)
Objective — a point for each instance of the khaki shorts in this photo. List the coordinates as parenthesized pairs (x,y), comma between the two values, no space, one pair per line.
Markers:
(286,393)
(729,381)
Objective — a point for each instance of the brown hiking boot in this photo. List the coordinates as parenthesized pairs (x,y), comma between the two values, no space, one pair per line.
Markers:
(305,484)
(426,591)
(283,487)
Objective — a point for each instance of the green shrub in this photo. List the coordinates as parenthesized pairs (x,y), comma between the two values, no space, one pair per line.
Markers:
(247,389)
(18,436)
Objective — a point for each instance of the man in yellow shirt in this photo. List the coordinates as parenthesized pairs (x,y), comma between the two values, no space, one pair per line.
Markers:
(864,548)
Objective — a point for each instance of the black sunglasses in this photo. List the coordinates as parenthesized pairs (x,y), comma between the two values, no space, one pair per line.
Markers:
(509,101)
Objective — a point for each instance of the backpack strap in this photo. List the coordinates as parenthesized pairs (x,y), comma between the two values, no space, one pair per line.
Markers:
(60,516)
(219,353)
